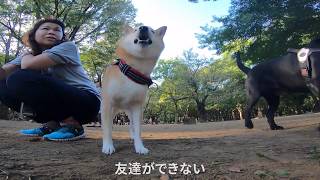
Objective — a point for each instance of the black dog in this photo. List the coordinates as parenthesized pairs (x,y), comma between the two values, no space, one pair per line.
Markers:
(277,76)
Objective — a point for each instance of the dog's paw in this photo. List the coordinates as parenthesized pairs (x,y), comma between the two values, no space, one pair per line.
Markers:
(108,149)
(249,124)
(141,150)
(276,127)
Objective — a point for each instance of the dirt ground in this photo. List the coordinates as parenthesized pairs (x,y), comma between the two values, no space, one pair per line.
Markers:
(222,150)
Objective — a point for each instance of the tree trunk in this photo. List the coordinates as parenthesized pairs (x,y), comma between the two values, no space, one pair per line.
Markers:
(239,109)
(176,118)
(7,50)
(260,114)
(202,113)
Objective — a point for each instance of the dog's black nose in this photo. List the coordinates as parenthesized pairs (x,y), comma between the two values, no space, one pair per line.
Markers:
(144,33)
(143,29)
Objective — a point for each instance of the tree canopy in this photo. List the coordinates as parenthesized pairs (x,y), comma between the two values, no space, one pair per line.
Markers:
(271,26)
(86,21)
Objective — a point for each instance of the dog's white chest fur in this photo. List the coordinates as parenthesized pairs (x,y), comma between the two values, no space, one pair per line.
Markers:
(123,92)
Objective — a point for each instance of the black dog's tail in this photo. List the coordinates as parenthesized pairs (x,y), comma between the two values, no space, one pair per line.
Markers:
(241,66)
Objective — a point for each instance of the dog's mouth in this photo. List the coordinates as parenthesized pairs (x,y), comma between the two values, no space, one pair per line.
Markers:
(143,42)
(143,38)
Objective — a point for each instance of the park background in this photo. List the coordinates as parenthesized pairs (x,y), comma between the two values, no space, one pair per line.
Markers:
(192,86)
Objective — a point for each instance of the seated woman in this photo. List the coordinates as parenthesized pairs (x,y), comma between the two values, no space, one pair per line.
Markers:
(51,80)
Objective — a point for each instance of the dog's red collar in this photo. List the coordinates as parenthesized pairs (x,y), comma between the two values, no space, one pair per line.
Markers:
(132,73)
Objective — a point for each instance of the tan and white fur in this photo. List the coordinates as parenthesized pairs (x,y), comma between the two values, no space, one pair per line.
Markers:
(119,93)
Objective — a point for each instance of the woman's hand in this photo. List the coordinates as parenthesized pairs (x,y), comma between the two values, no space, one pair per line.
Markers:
(7,69)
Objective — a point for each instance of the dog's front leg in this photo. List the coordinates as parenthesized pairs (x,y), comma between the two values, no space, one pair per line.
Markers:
(136,114)
(131,128)
(107,115)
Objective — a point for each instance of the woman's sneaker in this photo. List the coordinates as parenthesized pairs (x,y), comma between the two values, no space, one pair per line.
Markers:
(66,133)
(37,131)
(46,128)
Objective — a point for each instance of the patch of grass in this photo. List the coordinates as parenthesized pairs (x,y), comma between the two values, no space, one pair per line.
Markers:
(267,174)
(315,153)
(265,157)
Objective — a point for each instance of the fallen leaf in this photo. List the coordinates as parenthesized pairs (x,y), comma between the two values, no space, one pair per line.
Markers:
(235,169)
(260,173)
(282,173)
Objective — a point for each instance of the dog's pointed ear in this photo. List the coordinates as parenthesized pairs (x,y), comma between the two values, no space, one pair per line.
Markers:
(127,29)
(161,31)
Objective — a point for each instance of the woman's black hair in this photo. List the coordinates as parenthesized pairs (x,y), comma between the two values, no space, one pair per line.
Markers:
(30,39)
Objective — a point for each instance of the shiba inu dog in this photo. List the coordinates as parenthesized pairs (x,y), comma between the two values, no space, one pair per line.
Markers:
(125,84)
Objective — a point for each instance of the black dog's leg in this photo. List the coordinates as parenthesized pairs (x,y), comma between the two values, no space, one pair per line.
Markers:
(252,100)
(273,102)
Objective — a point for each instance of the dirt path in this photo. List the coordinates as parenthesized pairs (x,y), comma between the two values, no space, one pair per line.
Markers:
(223,150)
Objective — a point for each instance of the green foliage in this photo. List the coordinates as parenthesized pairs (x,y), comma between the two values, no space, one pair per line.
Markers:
(272,26)
(2,59)
(296,104)
(96,57)
(172,90)
(14,16)
(187,83)
(165,69)
(85,20)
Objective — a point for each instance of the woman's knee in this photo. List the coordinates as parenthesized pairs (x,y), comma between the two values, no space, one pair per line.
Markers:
(21,79)
(3,86)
